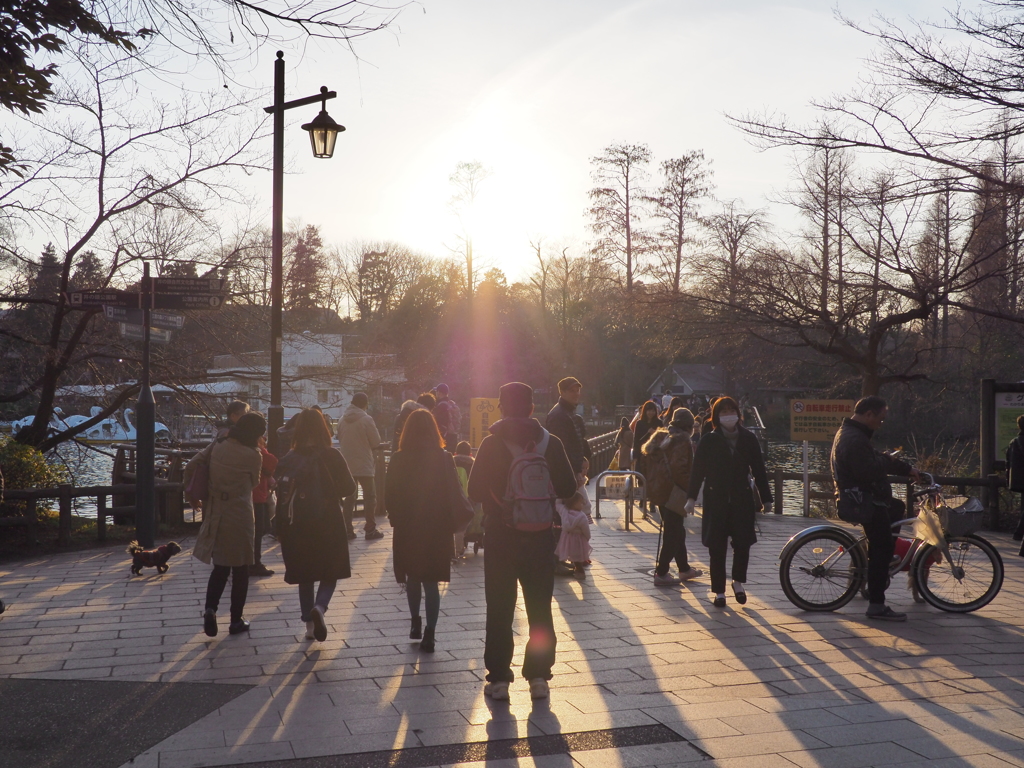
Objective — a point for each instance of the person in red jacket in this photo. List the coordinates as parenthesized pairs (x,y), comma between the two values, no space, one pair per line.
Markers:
(261,506)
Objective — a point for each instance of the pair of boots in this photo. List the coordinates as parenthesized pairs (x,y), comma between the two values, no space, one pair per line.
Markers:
(425,636)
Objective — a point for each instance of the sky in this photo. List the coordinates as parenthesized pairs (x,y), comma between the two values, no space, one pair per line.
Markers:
(532,90)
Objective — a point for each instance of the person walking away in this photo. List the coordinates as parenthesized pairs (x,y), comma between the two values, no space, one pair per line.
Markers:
(358,438)
(313,479)
(574,542)
(427,400)
(642,429)
(1015,473)
(666,402)
(669,453)
(724,462)
(448,418)
(520,545)
(229,525)
(463,468)
(236,409)
(396,430)
(860,468)
(564,423)
(624,444)
(421,495)
(261,507)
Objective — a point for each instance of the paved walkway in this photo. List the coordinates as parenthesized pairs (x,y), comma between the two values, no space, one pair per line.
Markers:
(760,685)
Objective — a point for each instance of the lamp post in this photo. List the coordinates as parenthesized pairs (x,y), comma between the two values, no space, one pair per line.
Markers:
(323,132)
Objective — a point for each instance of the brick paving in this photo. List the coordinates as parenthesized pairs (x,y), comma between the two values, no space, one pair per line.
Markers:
(757,685)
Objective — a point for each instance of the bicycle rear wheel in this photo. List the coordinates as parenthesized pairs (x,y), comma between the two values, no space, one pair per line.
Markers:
(822,572)
(974,580)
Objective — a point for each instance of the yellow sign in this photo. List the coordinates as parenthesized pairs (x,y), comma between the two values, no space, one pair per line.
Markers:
(817,419)
(483,411)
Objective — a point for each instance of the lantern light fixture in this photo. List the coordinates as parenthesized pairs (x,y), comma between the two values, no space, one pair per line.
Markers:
(323,131)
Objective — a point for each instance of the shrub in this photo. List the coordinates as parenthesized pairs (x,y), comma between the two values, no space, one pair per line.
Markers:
(23,467)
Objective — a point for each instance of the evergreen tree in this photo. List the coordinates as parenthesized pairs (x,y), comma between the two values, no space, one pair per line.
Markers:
(307,271)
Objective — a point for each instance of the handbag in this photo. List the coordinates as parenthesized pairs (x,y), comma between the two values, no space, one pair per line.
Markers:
(856,506)
(199,485)
(615,462)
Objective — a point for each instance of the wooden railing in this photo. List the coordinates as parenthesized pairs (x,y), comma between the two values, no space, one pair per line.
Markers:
(167,495)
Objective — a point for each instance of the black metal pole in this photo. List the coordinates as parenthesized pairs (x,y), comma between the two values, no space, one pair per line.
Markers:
(145,449)
(275,414)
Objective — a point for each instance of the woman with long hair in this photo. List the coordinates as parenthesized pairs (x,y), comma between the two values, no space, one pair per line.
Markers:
(726,459)
(624,444)
(645,425)
(419,497)
(228,532)
(313,479)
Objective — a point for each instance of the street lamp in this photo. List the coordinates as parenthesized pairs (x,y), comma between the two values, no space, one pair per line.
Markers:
(323,132)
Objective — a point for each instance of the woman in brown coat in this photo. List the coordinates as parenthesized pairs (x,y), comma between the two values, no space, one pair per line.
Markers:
(669,458)
(420,487)
(229,526)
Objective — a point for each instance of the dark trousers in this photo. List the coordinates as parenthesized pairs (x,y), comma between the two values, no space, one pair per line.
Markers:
(881,546)
(239,588)
(511,559)
(415,591)
(324,593)
(673,542)
(1020,523)
(369,503)
(717,549)
(262,514)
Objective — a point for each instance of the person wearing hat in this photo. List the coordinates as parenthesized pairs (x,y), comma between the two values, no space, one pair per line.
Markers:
(564,423)
(517,558)
(669,454)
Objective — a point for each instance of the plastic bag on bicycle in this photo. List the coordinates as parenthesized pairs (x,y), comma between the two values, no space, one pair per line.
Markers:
(928,528)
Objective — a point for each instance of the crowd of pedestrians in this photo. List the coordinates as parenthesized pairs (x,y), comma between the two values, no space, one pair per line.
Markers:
(526,488)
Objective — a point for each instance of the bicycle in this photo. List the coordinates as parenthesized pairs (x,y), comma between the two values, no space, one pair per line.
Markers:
(824,566)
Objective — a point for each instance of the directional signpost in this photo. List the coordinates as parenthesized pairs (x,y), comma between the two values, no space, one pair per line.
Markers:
(136,313)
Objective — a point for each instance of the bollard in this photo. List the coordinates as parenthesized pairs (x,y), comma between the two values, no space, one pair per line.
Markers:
(64,519)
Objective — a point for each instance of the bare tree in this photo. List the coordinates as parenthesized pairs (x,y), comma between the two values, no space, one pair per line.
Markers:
(685,181)
(735,231)
(616,205)
(466,181)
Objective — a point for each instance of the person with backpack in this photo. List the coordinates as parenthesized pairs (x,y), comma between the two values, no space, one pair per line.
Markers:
(669,453)
(423,496)
(313,480)
(228,531)
(520,470)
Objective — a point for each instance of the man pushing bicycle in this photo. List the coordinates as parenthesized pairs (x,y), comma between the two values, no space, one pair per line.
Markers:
(864,495)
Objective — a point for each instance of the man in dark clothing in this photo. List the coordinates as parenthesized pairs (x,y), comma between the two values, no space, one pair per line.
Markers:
(447,416)
(856,465)
(512,556)
(564,423)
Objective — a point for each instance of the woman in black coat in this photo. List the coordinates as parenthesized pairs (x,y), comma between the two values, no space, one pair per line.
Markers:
(419,496)
(313,480)
(644,428)
(725,460)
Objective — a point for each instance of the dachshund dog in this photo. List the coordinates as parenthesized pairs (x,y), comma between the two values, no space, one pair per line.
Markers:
(151,558)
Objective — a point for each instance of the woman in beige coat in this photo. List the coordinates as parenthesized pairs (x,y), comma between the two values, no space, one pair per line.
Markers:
(226,536)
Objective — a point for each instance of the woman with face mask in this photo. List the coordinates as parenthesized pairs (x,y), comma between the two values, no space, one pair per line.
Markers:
(726,458)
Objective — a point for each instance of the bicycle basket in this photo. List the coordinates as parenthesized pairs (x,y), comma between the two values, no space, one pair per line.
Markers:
(964,519)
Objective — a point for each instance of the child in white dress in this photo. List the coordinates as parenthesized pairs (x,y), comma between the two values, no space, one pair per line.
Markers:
(574,543)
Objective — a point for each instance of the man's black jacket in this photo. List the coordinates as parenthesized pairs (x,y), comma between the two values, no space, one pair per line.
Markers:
(856,464)
(564,423)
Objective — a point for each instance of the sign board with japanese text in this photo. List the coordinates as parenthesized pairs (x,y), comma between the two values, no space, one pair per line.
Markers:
(1009,405)
(165,320)
(137,333)
(188,285)
(83,299)
(187,300)
(483,411)
(817,420)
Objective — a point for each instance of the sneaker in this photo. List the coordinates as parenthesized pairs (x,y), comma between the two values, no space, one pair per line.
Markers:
(310,631)
(374,534)
(497,691)
(692,573)
(539,688)
(884,613)
(668,580)
(316,618)
(259,569)
(210,623)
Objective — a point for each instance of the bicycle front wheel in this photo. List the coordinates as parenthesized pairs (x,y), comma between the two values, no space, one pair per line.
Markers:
(822,572)
(974,579)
